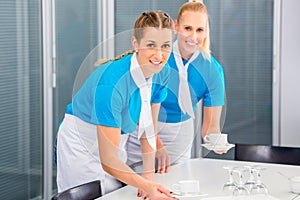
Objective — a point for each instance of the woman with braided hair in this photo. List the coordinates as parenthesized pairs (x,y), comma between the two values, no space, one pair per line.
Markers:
(119,96)
(196,75)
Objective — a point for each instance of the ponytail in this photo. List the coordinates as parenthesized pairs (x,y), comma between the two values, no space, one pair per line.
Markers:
(103,61)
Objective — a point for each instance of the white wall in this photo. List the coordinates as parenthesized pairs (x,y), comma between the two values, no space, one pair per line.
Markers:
(290,73)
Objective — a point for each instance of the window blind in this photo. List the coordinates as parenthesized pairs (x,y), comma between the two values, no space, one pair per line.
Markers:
(242,41)
(20,100)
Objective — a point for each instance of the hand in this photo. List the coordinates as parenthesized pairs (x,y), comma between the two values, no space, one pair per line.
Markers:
(149,176)
(158,192)
(220,151)
(163,160)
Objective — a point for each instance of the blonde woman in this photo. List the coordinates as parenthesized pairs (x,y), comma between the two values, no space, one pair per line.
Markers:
(195,75)
(109,104)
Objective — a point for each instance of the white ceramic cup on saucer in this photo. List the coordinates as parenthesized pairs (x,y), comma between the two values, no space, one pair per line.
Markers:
(187,188)
(216,139)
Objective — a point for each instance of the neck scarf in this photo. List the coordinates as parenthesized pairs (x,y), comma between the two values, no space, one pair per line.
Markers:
(145,86)
(184,96)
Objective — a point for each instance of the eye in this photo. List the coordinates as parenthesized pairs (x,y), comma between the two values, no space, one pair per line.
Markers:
(187,28)
(200,30)
(166,46)
(150,45)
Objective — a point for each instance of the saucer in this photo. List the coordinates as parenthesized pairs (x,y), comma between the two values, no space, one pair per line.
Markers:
(247,197)
(189,196)
(218,147)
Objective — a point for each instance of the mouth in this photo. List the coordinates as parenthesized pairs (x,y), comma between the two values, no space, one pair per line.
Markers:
(157,63)
(191,43)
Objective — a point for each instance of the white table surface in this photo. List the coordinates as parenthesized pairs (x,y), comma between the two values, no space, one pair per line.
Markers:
(212,176)
(297,198)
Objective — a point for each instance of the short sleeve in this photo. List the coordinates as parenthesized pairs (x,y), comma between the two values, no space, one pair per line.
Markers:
(215,86)
(108,106)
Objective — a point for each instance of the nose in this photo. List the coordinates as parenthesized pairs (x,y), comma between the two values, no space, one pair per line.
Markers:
(158,54)
(193,36)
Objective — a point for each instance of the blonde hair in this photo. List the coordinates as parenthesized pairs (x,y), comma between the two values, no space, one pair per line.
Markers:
(197,6)
(102,61)
(156,19)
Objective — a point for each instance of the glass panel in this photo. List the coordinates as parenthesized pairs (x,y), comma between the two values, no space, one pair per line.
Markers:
(20,100)
(76,36)
(242,40)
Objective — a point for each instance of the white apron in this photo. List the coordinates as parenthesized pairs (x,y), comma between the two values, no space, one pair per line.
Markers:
(78,159)
(176,137)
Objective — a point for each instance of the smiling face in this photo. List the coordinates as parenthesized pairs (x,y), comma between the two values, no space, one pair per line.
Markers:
(191,31)
(153,50)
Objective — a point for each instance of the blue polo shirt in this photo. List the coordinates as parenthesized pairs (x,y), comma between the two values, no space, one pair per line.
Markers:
(110,97)
(206,81)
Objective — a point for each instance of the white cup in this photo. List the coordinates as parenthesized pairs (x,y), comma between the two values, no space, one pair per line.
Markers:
(187,187)
(216,139)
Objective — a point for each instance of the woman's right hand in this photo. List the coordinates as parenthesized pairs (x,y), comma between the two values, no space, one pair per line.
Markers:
(158,192)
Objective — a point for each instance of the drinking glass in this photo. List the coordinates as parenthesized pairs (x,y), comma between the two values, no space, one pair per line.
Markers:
(229,185)
(258,187)
(250,183)
(240,178)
